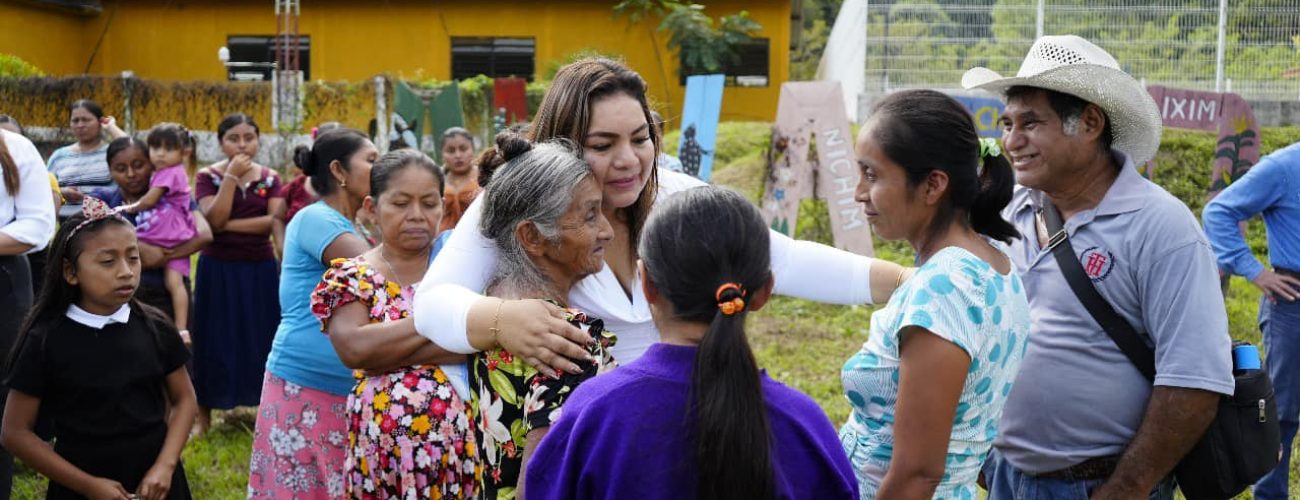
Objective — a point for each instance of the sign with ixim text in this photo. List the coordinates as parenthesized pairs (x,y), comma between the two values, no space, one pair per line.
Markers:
(1226,113)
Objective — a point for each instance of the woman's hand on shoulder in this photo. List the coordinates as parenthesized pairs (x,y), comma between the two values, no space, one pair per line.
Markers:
(537,332)
(886,277)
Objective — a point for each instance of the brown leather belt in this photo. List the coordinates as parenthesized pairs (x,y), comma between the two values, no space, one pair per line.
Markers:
(1090,469)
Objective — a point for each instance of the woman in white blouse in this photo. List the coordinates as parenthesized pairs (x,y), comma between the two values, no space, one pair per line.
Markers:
(26,224)
(601,105)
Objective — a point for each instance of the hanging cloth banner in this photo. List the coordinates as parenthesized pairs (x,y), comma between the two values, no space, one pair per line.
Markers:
(700,113)
(408,105)
(445,112)
(510,94)
(1238,147)
(809,110)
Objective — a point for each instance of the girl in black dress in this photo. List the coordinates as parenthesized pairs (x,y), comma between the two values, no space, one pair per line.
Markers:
(108,371)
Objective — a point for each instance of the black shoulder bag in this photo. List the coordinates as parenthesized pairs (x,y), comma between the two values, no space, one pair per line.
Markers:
(1241,445)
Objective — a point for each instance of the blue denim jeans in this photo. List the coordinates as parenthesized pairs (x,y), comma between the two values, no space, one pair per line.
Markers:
(1280,324)
(1006,482)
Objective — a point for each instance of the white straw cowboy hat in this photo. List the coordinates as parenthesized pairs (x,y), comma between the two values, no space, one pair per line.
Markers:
(1072,65)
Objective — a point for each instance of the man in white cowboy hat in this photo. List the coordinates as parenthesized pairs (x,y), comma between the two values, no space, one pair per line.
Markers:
(1081,420)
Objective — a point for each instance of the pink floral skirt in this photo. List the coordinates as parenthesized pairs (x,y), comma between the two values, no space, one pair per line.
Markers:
(410,437)
(299,443)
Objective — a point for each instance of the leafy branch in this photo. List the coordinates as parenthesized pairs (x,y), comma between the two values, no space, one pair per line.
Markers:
(703,47)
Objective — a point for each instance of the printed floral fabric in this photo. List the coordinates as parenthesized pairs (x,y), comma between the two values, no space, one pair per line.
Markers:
(513,398)
(297,443)
(409,432)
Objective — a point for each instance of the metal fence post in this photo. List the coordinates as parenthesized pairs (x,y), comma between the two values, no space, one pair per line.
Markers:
(1218,56)
(1038,22)
(275,99)
(932,44)
(128,114)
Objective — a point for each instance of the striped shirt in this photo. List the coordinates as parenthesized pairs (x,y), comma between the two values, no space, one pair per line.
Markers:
(81,169)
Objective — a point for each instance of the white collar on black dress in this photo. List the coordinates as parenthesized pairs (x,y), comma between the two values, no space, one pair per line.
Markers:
(122,315)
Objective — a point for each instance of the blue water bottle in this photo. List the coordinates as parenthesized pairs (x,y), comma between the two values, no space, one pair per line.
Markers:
(1244,357)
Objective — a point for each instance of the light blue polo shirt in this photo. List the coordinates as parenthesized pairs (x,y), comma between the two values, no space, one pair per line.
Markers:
(300,353)
(1270,188)
(1077,396)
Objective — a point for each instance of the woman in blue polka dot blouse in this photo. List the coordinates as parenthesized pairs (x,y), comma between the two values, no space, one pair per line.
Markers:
(927,387)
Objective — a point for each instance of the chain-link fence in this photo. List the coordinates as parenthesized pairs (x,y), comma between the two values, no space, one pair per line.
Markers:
(1178,43)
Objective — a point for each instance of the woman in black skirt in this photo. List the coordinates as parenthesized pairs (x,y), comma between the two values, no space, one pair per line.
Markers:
(236,296)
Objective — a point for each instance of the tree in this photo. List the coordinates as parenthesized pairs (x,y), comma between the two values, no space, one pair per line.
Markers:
(817,17)
(931,43)
(15,67)
(703,48)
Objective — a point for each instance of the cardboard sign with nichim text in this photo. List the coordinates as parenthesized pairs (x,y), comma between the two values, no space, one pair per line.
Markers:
(811,111)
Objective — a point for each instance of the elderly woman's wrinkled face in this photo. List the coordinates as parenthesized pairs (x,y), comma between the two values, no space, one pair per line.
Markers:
(584,231)
(131,170)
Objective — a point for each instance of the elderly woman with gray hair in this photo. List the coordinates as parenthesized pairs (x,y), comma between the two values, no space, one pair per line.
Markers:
(542,213)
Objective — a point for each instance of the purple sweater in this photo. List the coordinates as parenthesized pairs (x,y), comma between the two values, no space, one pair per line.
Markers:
(624,435)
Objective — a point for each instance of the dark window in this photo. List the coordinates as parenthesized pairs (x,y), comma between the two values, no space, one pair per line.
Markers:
(251,56)
(750,70)
(494,57)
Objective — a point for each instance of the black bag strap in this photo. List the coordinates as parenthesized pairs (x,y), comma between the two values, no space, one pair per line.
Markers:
(1116,327)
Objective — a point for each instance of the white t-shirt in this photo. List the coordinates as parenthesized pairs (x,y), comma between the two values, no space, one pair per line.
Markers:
(457,278)
(27,216)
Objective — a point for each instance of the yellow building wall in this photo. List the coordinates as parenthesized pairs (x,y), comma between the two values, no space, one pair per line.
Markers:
(52,40)
(178,39)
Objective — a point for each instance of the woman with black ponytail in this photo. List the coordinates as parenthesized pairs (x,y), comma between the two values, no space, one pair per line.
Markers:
(928,386)
(694,417)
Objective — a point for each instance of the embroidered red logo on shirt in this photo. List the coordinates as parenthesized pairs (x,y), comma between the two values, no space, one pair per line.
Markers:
(1097,263)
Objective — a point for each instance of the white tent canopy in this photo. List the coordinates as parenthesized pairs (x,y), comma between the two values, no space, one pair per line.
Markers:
(845,56)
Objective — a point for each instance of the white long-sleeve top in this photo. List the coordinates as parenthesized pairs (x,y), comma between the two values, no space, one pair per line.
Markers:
(462,270)
(27,216)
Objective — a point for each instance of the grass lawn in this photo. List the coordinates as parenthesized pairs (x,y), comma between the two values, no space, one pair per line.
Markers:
(216,464)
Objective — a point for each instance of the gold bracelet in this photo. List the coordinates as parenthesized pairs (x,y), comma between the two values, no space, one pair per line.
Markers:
(496,323)
(899,281)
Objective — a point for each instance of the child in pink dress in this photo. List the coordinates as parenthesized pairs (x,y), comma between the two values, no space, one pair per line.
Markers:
(164,218)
